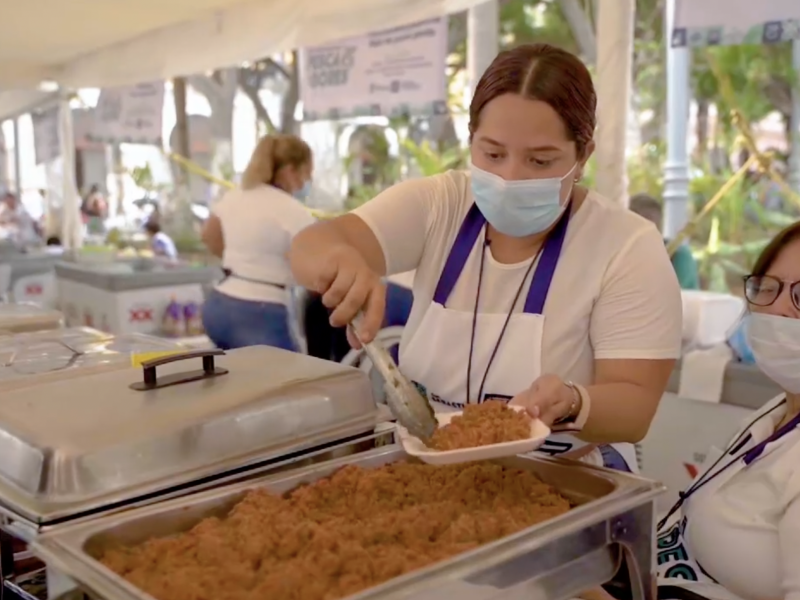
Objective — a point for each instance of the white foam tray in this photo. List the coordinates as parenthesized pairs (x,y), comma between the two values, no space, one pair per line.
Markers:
(413,446)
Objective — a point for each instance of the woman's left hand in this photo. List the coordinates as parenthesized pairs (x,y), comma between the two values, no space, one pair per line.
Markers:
(548,399)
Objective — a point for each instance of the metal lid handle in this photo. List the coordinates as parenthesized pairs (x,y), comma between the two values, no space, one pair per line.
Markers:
(150,380)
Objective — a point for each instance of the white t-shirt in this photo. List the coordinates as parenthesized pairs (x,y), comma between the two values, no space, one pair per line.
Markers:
(258,226)
(614,294)
(163,245)
(742,528)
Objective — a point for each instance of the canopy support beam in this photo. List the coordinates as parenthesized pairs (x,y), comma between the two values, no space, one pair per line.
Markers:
(676,167)
(615,23)
(483,39)
(17,158)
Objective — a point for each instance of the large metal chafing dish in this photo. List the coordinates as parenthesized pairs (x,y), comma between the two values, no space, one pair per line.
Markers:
(613,521)
(109,441)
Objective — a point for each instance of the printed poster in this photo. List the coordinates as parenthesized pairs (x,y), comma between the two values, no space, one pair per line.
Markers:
(393,72)
(130,115)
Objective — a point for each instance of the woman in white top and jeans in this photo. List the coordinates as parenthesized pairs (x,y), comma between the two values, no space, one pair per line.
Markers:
(251,229)
(528,285)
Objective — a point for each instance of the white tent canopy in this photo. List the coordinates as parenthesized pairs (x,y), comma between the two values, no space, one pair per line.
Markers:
(105,43)
(18,102)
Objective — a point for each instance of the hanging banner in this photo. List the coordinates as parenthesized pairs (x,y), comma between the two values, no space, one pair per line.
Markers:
(732,22)
(130,115)
(82,127)
(392,72)
(46,137)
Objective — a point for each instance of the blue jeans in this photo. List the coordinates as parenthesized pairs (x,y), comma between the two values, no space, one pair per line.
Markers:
(233,323)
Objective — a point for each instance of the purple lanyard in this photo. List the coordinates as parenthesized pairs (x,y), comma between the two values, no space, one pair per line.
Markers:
(748,456)
(468,234)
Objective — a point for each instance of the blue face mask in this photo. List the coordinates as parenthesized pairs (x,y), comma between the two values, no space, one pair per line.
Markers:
(518,208)
(304,192)
(740,344)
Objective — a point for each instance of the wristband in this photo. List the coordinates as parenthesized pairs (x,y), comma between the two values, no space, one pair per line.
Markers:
(579,409)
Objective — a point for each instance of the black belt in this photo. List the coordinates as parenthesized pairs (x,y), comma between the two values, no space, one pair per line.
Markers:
(231,274)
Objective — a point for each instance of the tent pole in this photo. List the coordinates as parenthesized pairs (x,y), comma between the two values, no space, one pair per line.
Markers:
(17,158)
(483,39)
(676,167)
(72,226)
(615,22)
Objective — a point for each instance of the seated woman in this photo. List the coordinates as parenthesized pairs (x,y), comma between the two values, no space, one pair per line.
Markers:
(735,534)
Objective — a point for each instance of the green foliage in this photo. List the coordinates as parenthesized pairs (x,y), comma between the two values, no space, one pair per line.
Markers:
(143,177)
(423,158)
(430,161)
(645,170)
(729,242)
(527,21)
(757,75)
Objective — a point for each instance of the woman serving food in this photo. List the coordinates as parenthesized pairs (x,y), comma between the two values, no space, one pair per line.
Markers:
(528,286)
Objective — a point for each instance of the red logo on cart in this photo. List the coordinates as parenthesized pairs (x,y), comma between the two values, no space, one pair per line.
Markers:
(141,315)
(33,289)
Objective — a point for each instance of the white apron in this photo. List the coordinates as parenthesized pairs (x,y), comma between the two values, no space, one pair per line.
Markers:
(436,357)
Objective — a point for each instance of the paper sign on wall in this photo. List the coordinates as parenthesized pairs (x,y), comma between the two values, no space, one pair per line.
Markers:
(391,72)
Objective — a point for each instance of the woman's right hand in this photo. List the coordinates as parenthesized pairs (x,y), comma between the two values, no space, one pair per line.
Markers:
(348,286)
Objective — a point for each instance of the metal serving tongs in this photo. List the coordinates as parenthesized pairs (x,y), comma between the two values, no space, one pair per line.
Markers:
(409,407)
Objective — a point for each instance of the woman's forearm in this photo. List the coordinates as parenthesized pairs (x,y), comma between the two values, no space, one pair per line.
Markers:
(619,412)
(309,248)
(315,245)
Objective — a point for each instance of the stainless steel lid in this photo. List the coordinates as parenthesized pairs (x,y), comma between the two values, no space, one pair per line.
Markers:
(35,358)
(110,437)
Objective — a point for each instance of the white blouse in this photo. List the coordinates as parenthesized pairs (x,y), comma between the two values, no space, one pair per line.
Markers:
(740,532)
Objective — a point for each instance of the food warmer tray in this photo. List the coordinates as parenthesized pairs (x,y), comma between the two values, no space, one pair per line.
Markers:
(98,446)
(613,521)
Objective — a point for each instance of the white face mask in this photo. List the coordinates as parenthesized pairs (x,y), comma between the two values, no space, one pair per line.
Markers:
(775,343)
